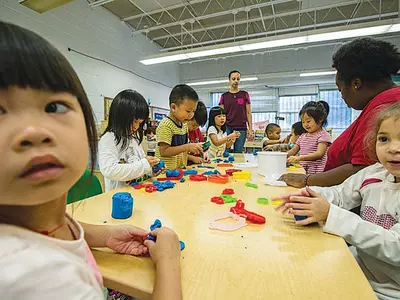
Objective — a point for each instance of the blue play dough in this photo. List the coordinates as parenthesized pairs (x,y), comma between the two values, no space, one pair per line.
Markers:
(291,146)
(157,224)
(182,179)
(173,173)
(122,205)
(255,152)
(231,159)
(161,186)
(190,172)
(300,218)
(215,172)
(226,153)
(159,166)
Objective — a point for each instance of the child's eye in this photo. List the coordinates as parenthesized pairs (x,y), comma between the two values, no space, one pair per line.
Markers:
(2,111)
(56,107)
(383,139)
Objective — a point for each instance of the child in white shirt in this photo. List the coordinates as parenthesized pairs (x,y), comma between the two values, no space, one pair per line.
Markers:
(216,132)
(121,157)
(375,234)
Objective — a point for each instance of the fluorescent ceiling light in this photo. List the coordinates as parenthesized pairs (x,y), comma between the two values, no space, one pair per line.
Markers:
(221,81)
(317,74)
(306,38)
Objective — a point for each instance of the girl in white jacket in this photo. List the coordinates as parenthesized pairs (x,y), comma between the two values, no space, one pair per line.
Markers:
(121,157)
(375,234)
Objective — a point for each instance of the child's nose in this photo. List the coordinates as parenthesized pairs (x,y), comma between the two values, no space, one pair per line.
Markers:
(394,147)
(32,136)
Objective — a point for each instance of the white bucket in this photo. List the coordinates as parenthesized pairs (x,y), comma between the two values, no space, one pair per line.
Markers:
(272,164)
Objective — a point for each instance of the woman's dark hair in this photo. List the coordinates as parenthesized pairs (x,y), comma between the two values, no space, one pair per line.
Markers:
(315,110)
(231,72)
(29,61)
(127,107)
(368,59)
(298,128)
(216,111)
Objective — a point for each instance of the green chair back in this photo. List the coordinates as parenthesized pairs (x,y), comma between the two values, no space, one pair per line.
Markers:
(84,188)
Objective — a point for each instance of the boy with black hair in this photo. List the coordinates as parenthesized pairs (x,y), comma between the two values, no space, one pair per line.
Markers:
(172,132)
(195,135)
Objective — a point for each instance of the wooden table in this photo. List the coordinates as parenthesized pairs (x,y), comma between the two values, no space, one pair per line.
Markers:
(278,260)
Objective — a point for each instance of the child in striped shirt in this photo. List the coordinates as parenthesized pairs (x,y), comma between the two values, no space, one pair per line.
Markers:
(313,145)
(216,132)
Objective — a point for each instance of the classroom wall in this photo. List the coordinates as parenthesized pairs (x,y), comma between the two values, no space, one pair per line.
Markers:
(100,34)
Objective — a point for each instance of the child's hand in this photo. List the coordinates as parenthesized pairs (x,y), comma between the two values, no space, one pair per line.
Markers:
(194,148)
(313,206)
(293,159)
(153,161)
(197,160)
(166,248)
(127,239)
(294,179)
(233,136)
(268,147)
(206,158)
(286,199)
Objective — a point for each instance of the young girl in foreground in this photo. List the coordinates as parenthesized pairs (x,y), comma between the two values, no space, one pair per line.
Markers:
(48,129)
(216,131)
(121,157)
(375,234)
(313,145)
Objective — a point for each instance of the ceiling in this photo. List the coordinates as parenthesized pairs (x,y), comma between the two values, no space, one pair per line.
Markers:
(185,24)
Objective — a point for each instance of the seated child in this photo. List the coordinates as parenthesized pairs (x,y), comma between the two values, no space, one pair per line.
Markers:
(312,145)
(121,156)
(297,131)
(195,135)
(375,233)
(172,132)
(272,136)
(216,132)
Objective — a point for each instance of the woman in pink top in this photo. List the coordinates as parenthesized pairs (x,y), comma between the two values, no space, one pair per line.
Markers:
(313,145)
(236,104)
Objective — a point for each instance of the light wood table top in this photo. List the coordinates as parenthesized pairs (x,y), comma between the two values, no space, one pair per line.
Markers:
(277,260)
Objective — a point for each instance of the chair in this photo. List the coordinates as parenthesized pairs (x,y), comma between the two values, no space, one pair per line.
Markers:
(84,188)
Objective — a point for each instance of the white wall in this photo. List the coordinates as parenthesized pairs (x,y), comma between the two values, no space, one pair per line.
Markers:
(98,33)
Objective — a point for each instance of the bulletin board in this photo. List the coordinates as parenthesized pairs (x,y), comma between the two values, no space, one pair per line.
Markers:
(158,113)
(107,104)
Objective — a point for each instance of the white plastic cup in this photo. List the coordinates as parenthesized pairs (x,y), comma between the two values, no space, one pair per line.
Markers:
(272,164)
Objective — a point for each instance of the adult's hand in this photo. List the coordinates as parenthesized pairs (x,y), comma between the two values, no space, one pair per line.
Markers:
(294,179)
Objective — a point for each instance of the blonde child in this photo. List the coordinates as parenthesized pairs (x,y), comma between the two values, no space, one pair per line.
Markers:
(216,132)
(44,253)
(312,145)
(375,234)
(172,132)
(121,156)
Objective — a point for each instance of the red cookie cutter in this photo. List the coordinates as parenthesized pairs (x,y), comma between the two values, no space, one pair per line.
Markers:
(231,171)
(250,216)
(218,178)
(151,188)
(228,192)
(199,177)
(217,200)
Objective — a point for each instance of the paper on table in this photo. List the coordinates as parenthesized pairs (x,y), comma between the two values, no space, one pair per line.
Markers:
(245,165)
(273,182)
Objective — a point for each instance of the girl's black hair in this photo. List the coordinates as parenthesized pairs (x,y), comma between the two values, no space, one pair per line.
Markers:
(315,110)
(298,128)
(216,111)
(127,107)
(29,61)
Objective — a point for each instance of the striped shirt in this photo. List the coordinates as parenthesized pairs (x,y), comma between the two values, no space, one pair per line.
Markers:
(308,143)
(170,133)
(216,151)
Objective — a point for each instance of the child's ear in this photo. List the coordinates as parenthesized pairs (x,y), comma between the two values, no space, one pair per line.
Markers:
(173,107)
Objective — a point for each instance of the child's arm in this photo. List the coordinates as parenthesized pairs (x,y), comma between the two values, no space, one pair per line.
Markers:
(165,254)
(321,150)
(112,169)
(168,151)
(212,134)
(293,151)
(270,142)
(195,159)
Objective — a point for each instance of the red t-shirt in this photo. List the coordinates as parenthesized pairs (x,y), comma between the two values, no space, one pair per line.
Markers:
(195,136)
(235,108)
(348,148)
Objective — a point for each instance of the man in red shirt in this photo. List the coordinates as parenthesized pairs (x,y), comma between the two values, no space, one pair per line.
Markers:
(364,69)
(195,135)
